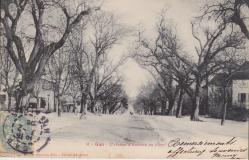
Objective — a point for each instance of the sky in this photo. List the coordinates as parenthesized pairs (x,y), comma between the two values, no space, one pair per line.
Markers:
(144,14)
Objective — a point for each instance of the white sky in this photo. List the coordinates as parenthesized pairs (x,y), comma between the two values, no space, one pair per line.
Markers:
(144,13)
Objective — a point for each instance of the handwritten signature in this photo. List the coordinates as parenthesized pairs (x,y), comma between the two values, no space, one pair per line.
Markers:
(209,149)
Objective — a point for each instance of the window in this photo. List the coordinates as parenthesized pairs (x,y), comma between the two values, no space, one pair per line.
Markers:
(242,98)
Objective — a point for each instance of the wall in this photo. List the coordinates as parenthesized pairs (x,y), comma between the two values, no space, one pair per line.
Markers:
(215,101)
(234,112)
(240,86)
(49,97)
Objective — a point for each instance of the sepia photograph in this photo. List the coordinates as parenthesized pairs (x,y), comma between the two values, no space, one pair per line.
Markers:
(157,79)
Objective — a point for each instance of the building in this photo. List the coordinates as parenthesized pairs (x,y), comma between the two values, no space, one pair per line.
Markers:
(44,95)
(43,98)
(237,88)
(240,87)
(4,99)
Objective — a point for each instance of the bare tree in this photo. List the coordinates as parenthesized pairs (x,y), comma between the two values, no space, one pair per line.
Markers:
(230,63)
(214,43)
(190,74)
(159,58)
(229,12)
(148,57)
(58,74)
(91,52)
(31,67)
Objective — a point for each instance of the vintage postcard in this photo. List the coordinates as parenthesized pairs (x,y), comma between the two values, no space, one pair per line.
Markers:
(124,79)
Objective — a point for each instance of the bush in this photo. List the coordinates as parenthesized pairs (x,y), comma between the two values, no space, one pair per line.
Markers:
(237,113)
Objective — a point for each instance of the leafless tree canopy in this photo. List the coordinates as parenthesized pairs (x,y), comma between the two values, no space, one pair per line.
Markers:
(229,12)
(31,66)
(165,59)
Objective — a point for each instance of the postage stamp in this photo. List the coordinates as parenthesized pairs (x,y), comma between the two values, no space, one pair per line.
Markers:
(26,133)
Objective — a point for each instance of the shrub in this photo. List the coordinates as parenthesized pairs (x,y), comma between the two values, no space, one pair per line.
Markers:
(237,113)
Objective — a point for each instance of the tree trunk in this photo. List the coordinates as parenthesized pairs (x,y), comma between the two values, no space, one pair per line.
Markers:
(55,102)
(92,108)
(83,102)
(92,105)
(18,99)
(112,108)
(9,101)
(59,106)
(171,106)
(154,110)
(74,105)
(88,88)
(163,103)
(196,103)
(24,93)
(224,107)
(195,112)
(23,102)
(179,104)
(104,109)
(206,98)
(26,89)
(240,22)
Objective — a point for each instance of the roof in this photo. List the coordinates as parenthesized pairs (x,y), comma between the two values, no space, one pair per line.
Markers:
(245,66)
(243,72)
(241,75)
(218,79)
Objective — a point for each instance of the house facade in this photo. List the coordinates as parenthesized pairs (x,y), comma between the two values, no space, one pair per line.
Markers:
(240,93)
(237,89)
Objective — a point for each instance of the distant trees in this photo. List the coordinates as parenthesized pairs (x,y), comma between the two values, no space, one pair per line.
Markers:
(149,95)
(113,98)
(107,88)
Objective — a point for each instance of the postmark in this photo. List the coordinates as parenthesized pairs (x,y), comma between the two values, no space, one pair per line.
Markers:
(26,133)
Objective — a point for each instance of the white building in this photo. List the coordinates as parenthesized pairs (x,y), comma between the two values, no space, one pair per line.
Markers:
(240,92)
(238,87)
